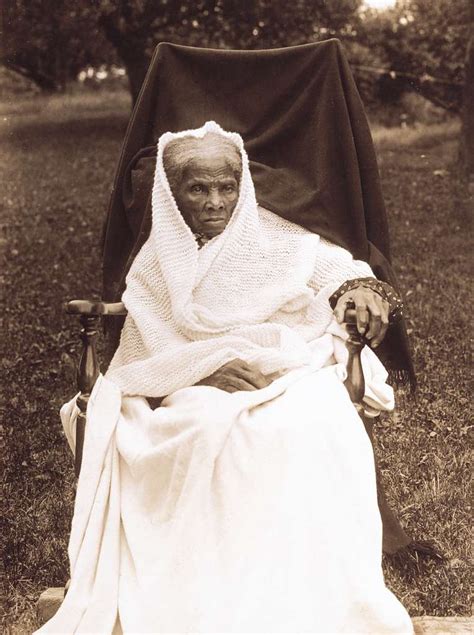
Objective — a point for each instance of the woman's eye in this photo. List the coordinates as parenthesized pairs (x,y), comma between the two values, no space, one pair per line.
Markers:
(197,189)
(229,189)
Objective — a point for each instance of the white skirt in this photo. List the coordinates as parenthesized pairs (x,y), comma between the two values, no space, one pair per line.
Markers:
(221,513)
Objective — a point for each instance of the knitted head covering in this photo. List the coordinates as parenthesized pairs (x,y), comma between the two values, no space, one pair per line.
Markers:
(181,152)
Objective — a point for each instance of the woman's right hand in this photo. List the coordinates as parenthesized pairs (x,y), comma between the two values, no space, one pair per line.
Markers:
(236,375)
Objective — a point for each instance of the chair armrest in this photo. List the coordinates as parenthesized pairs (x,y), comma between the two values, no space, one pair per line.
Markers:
(88,370)
(92,308)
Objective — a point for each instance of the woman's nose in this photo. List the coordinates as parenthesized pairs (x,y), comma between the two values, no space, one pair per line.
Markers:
(214,200)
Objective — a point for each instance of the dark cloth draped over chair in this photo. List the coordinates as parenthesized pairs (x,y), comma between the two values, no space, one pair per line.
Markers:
(307,137)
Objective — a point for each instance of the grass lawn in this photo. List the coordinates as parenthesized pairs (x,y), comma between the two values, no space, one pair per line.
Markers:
(57,166)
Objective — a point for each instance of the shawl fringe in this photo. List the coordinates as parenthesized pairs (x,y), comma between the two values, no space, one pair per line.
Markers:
(401,378)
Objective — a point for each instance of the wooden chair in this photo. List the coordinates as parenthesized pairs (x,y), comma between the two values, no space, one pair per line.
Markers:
(88,370)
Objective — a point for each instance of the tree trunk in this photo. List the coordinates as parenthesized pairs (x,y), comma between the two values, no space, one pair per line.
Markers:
(136,71)
(466,149)
(136,61)
(131,50)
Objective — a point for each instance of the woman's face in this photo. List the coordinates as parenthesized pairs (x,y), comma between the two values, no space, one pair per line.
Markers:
(207,194)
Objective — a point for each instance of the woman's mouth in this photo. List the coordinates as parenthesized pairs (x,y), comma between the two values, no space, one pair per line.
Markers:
(214,221)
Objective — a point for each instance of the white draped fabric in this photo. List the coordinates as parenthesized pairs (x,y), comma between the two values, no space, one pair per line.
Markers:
(251,512)
(245,512)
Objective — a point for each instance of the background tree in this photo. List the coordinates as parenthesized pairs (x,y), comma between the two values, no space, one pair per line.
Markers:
(135,28)
(50,41)
(424,40)
(466,149)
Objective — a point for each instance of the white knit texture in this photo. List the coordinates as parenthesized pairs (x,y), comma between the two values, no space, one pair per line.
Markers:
(259,291)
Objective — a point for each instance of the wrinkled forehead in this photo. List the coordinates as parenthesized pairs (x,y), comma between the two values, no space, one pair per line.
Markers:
(211,149)
(209,171)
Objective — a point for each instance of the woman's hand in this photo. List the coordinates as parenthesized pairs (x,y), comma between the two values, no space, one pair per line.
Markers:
(236,375)
(372,313)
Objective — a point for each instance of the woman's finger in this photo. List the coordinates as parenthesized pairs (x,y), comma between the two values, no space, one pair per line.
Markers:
(234,384)
(384,311)
(249,374)
(375,319)
(341,306)
(253,377)
(362,316)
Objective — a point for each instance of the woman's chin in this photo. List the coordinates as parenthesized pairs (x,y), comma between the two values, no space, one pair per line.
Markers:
(211,229)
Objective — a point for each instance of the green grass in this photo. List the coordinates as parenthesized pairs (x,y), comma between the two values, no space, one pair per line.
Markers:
(58,161)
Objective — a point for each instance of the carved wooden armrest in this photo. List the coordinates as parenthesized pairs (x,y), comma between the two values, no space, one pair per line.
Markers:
(355,382)
(95,309)
(88,370)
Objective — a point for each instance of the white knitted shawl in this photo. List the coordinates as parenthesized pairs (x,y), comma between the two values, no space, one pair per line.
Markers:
(258,291)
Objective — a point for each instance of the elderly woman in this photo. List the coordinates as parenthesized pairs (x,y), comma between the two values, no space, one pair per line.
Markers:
(224,464)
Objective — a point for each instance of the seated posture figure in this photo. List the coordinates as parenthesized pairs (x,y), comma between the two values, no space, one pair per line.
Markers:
(225,468)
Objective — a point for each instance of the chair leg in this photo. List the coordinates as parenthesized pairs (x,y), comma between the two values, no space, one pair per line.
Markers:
(87,373)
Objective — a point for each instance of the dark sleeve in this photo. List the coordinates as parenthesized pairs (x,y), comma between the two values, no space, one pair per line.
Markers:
(383,289)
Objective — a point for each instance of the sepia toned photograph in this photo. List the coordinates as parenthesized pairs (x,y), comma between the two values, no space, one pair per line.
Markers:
(236,290)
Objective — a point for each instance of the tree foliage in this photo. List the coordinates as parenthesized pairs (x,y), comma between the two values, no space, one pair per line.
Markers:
(50,41)
(421,41)
(135,28)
